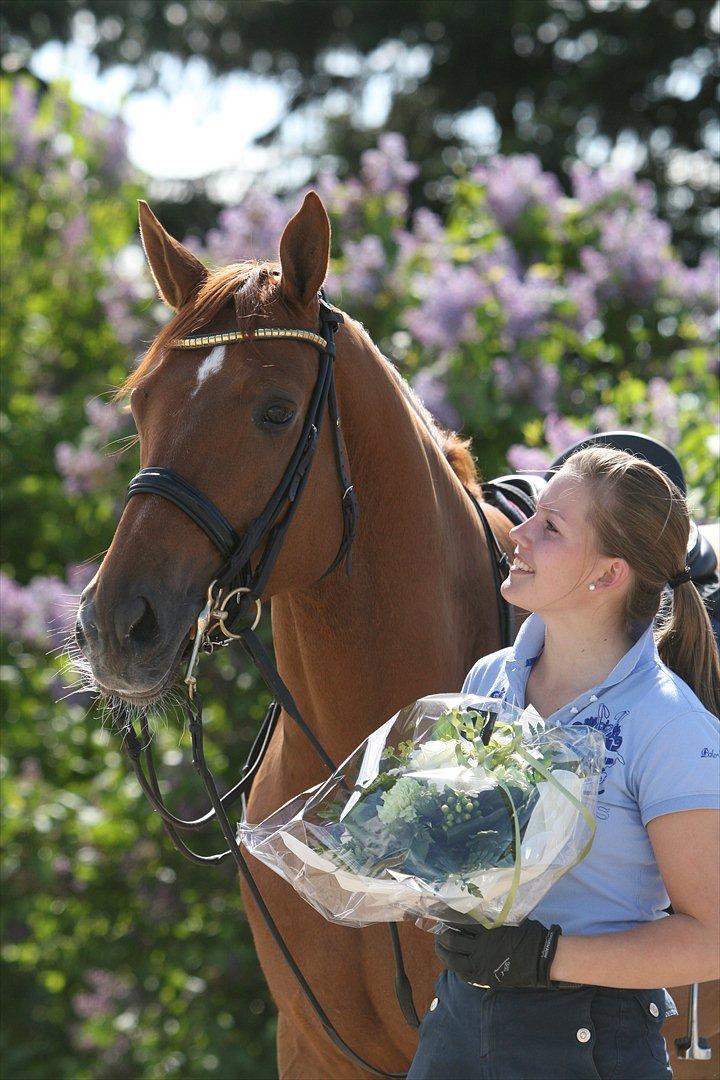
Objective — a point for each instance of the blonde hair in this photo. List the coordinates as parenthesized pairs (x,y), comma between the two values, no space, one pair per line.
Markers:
(638,514)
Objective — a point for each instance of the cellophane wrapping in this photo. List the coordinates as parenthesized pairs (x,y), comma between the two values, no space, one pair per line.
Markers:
(459,808)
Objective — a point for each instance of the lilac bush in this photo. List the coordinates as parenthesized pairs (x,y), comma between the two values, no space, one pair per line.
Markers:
(533,317)
(515,184)
(87,465)
(42,613)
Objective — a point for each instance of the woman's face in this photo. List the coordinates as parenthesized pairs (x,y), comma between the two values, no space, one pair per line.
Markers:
(558,545)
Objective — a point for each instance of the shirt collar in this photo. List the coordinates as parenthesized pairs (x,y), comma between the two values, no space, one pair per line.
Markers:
(531,639)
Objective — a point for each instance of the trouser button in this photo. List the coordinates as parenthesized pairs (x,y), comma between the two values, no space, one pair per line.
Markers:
(433,1005)
(583,1035)
(654,1011)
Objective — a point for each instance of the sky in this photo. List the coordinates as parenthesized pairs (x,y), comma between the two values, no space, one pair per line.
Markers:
(205,123)
(199,125)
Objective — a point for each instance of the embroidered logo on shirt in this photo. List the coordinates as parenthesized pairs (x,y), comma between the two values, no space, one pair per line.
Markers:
(501,971)
(707,752)
(612,733)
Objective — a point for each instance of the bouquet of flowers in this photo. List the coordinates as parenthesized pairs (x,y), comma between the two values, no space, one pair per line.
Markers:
(459,808)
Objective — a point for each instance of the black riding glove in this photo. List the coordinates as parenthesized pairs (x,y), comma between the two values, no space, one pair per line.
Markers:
(507,956)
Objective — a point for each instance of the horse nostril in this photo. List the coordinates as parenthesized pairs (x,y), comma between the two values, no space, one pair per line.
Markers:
(80,637)
(135,621)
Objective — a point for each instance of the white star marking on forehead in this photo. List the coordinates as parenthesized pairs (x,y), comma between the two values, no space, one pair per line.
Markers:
(209,366)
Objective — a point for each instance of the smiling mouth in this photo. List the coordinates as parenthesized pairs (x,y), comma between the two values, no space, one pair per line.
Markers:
(519,566)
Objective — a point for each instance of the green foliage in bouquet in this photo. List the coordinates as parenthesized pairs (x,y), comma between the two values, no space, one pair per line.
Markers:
(421,825)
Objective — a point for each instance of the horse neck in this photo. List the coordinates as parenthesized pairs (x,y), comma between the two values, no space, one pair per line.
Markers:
(419,607)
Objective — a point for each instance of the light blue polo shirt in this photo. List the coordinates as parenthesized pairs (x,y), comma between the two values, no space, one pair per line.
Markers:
(662,755)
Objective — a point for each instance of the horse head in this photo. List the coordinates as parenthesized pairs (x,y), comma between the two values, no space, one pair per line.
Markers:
(226,417)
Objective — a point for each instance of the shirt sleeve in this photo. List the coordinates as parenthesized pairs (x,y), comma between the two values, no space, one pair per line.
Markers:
(679,768)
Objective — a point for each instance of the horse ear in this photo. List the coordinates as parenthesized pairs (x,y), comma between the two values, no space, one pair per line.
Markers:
(305,251)
(176,271)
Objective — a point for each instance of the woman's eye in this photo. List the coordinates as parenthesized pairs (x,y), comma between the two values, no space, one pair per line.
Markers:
(549,525)
(278,414)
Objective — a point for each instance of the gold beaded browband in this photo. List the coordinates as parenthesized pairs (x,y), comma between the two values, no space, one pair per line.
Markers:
(200,341)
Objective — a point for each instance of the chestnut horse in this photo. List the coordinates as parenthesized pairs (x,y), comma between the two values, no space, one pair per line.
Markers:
(415,613)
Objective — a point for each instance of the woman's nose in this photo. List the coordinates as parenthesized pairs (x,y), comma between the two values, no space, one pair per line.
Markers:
(517,533)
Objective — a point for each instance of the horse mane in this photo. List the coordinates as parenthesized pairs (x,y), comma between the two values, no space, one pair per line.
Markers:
(251,285)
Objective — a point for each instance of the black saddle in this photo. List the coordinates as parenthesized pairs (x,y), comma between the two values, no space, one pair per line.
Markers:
(517,495)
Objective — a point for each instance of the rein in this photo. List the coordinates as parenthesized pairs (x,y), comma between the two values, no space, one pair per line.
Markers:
(230,598)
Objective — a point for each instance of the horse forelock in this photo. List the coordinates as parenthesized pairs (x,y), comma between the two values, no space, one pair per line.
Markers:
(252,285)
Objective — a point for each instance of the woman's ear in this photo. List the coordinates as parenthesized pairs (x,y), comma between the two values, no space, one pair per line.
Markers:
(305,251)
(617,573)
(175,270)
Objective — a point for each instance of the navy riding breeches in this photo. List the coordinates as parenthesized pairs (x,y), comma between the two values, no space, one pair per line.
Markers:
(592,1033)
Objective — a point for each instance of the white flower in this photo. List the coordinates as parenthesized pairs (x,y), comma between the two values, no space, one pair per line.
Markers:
(434,754)
(398,804)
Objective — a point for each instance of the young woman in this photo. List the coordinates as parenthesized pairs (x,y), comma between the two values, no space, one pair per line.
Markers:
(577,989)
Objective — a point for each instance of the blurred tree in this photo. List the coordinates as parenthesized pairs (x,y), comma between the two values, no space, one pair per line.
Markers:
(561,77)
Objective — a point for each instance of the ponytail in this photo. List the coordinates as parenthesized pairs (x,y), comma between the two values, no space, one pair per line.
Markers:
(686,644)
(638,514)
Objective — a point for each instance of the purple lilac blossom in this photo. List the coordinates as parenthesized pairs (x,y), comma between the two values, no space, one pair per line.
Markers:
(526,304)
(498,259)
(606,418)
(45,608)
(75,232)
(125,300)
(344,200)
(527,458)
(386,169)
(450,296)
(515,183)
(426,238)
(561,433)
(115,165)
(580,291)
(106,990)
(37,613)
(593,186)
(662,407)
(634,256)
(364,267)
(105,419)
(16,608)
(532,381)
(83,469)
(432,391)
(23,122)
(699,284)
(249,231)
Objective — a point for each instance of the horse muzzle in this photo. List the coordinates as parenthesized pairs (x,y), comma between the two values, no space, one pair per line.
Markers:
(135,642)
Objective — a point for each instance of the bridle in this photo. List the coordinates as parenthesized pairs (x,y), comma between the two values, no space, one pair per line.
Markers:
(235,589)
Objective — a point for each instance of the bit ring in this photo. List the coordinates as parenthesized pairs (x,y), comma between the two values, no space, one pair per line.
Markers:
(221,613)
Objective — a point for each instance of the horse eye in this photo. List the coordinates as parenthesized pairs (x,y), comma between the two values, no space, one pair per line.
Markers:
(278,414)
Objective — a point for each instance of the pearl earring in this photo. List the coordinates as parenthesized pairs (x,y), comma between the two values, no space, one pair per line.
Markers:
(591,587)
